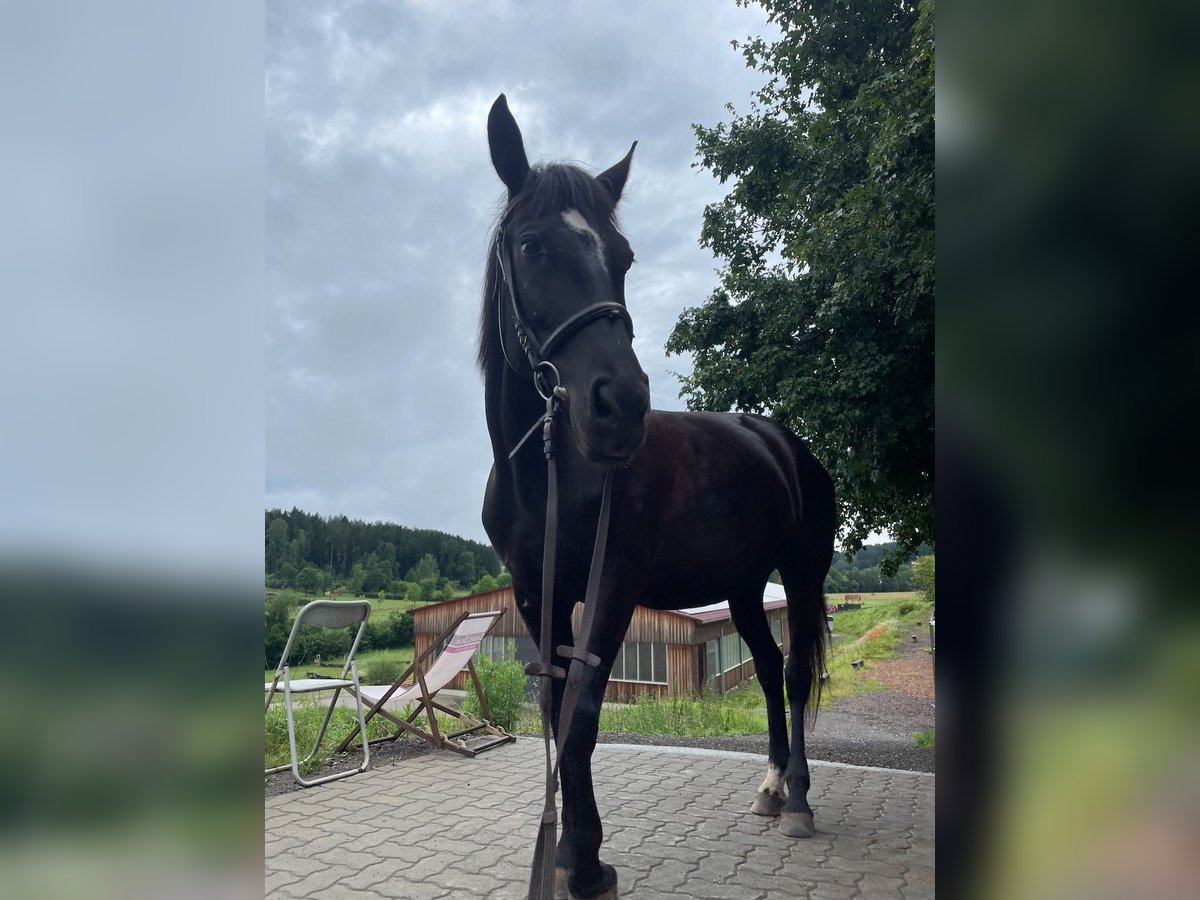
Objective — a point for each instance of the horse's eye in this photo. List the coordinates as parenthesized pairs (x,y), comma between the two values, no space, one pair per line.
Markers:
(530,248)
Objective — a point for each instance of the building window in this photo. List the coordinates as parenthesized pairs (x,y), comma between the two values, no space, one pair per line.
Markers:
(712,661)
(498,648)
(734,651)
(777,630)
(640,661)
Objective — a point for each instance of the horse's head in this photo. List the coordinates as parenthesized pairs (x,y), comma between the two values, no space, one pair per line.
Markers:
(559,292)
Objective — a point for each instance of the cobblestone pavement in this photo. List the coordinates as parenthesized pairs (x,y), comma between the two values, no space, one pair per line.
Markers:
(677,824)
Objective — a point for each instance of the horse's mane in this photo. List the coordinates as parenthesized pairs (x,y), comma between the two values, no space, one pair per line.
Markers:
(548,188)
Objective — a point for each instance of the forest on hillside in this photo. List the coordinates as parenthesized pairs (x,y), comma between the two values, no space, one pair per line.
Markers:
(315,553)
(862,573)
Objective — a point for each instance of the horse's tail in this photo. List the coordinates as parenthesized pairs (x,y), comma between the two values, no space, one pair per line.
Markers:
(804,573)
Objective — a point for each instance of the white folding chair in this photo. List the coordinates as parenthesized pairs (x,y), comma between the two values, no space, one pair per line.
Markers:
(327,614)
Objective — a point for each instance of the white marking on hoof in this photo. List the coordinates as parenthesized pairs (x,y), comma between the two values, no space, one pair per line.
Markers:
(772,794)
(797,825)
(767,804)
(773,783)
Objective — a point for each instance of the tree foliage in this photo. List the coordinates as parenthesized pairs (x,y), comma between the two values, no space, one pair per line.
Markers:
(925,578)
(363,557)
(824,313)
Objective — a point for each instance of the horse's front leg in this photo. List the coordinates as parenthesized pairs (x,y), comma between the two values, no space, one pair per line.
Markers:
(578,856)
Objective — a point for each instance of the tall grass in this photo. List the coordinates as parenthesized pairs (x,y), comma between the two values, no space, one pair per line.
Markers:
(683,717)
(308,717)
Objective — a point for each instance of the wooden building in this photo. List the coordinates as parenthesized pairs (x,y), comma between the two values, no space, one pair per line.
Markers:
(664,653)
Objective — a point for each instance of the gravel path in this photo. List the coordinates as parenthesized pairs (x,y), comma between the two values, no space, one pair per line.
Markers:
(874,729)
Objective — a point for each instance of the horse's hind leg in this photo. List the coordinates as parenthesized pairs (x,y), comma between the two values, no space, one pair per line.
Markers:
(806,625)
(752,625)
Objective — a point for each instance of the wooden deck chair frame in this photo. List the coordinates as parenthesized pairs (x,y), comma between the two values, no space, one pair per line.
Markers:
(327,614)
(424,701)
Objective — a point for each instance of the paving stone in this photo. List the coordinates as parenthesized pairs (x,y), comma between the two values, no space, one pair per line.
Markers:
(442,826)
(877,887)
(340,892)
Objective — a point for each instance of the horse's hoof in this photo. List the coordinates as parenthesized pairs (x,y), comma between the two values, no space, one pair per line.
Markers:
(560,883)
(608,893)
(767,804)
(797,825)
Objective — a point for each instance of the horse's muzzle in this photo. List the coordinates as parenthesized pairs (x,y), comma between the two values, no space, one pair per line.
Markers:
(612,423)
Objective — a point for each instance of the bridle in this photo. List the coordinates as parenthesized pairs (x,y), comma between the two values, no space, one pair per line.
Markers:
(539,351)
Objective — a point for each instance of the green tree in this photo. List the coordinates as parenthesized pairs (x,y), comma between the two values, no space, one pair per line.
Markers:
(924,578)
(277,544)
(286,577)
(298,549)
(311,580)
(464,568)
(824,313)
(358,574)
(426,574)
(485,583)
(278,627)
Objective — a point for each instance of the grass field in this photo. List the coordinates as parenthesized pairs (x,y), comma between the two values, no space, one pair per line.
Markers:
(869,598)
(401,655)
(308,714)
(379,608)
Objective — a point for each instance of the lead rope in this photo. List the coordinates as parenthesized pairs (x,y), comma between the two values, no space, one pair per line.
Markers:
(541,878)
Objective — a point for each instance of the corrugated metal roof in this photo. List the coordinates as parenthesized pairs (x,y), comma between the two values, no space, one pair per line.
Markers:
(773,598)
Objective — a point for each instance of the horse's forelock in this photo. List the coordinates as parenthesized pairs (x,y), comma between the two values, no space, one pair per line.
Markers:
(558,187)
(548,188)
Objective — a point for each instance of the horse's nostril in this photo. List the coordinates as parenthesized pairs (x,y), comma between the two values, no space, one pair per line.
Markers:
(603,403)
(618,403)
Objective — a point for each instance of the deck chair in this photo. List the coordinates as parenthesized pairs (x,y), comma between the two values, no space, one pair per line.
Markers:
(327,614)
(461,641)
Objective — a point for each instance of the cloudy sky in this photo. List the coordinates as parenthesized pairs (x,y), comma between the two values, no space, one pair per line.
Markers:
(380,194)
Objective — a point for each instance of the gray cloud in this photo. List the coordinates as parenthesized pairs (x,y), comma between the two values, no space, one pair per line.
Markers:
(380,194)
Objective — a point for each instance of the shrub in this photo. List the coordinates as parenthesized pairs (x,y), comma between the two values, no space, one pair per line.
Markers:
(278,626)
(401,630)
(395,631)
(383,671)
(504,688)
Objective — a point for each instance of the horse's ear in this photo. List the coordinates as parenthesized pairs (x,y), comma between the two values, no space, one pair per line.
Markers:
(614,179)
(508,150)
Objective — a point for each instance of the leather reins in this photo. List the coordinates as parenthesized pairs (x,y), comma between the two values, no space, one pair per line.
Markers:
(541,883)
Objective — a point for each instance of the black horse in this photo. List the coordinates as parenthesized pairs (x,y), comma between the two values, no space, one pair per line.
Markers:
(704,505)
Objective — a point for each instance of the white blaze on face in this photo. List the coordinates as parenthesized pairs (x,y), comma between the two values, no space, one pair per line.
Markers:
(578,223)
(773,783)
